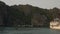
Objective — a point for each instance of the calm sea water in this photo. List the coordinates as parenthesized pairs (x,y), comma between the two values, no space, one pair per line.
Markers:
(9,30)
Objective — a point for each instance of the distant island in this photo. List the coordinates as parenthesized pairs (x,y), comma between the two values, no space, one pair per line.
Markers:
(26,15)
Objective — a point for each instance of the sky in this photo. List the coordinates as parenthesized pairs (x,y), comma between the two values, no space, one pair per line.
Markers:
(39,3)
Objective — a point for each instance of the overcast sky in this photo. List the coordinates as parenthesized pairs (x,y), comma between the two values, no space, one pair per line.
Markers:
(39,3)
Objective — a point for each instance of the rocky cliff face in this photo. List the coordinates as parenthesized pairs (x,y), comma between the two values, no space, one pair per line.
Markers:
(3,12)
(23,15)
(9,16)
(38,20)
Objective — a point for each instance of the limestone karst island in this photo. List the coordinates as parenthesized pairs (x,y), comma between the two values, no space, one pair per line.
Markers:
(28,16)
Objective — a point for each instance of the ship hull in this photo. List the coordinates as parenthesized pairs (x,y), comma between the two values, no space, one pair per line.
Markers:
(58,27)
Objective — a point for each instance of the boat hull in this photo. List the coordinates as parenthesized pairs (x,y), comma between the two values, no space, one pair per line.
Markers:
(55,27)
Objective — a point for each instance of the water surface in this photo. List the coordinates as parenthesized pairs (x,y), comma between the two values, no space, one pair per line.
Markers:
(11,30)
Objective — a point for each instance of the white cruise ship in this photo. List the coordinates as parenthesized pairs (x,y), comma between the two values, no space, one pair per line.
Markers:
(55,24)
